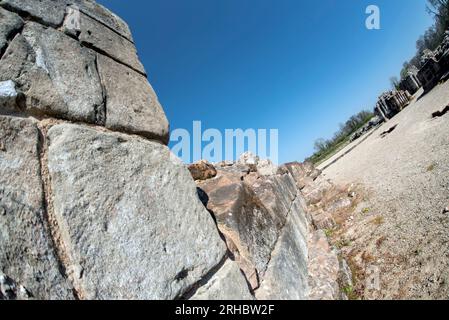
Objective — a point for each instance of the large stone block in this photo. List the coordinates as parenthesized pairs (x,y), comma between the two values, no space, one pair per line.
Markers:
(202,170)
(57,76)
(72,70)
(32,82)
(101,38)
(10,23)
(227,284)
(28,264)
(48,12)
(286,277)
(129,213)
(132,105)
(16,57)
(8,96)
(252,211)
(241,217)
(299,173)
(104,16)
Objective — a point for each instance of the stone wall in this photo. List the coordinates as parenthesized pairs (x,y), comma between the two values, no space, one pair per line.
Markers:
(261,214)
(93,205)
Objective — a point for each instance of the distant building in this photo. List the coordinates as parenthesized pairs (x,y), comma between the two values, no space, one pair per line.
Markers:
(391,103)
(429,74)
(435,66)
(411,83)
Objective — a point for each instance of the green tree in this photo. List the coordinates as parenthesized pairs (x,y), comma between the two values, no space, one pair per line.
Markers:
(433,36)
(394,81)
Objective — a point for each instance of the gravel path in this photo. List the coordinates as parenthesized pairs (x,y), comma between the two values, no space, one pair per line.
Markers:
(401,229)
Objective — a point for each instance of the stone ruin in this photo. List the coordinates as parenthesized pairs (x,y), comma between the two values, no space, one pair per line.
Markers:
(429,74)
(410,83)
(434,68)
(265,214)
(435,65)
(93,205)
(391,103)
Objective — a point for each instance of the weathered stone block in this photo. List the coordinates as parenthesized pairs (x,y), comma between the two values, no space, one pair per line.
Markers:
(33,85)
(8,96)
(316,192)
(298,172)
(266,168)
(129,212)
(132,105)
(202,170)
(10,23)
(286,277)
(14,59)
(48,12)
(26,253)
(104,16)
(73,74)
(241,217)
(103,39)
(227,284)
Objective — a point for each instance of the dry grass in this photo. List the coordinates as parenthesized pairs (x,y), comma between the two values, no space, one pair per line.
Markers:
(431,167)
(380,241)
(377,221)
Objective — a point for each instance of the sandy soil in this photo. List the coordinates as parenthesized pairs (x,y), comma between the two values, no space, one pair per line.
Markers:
(399,233)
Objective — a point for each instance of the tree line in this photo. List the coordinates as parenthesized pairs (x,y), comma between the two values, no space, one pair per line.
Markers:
(325,147)
(433,36)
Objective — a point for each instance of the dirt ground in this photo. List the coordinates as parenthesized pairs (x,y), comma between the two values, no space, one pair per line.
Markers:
(397,238)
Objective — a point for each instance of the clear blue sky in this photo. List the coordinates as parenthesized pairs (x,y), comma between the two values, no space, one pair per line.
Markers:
(301,67)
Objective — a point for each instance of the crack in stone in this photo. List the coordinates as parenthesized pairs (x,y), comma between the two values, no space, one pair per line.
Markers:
(190,292)
(104,53)
(105,25)
(53,228)
(101,110)
(282,230)
(26,16)
(9,37)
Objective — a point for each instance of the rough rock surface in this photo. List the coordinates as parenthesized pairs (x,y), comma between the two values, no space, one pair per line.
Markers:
(69,66)
(263,218)
(120,202)
(202,170)
(227,284)
(286,277)
(103,16)
(26,253)
(47,12)
(241,217)
(10,24)
(46,65)
(132,104)
(99,208)
(324,269)
(8,95)
(52,12)
(299,173)
(103,39)
(266,168)
(65,77)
